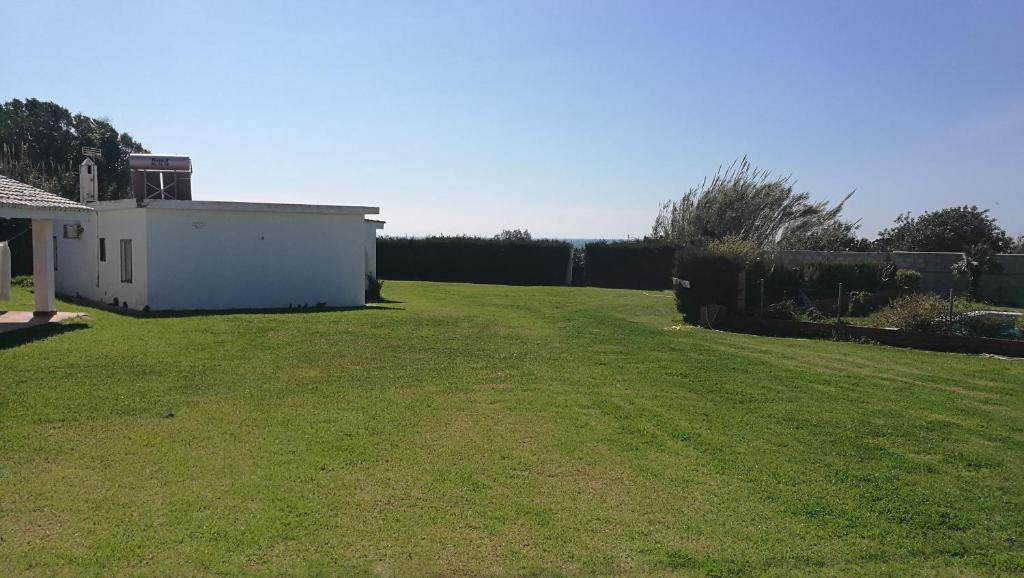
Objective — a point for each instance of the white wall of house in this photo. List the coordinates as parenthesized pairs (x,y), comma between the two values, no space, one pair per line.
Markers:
(212,259)
(371,246)
(115,226)
(80,272)
(192,255)
(76,258)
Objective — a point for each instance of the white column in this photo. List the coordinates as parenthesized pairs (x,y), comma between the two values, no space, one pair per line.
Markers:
(42,266)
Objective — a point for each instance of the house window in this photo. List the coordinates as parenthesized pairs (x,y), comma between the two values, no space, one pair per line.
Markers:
(55,252)
(126,260)
(103,249)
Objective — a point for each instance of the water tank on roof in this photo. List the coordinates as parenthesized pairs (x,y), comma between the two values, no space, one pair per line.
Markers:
(160,177)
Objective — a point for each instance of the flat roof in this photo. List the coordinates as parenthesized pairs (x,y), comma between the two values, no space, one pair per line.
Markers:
(175,205)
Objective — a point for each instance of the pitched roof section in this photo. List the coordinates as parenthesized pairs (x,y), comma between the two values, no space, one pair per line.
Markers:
(17,195)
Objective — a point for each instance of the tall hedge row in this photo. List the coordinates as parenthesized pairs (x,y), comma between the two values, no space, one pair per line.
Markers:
(474,260)
(629,264)
(711,279)
(819,280)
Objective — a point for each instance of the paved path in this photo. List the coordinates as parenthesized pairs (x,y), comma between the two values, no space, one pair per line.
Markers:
(14,320)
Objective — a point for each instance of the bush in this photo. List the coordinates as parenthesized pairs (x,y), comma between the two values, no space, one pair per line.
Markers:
(373,288)
(23,281)
(922,312)
(736,249)
(907,278)
(820,280)
(474,260)
(859,303)
(579,271)
(713,280)
(782,310)
(629,264)
(982,325)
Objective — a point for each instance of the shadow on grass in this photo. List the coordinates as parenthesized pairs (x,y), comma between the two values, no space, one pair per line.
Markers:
(218,312)
(32,333)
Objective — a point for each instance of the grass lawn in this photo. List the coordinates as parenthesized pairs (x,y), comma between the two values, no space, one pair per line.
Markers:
(487,430)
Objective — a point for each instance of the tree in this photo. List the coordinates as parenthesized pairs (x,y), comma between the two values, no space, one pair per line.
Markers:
(839,235)
(746,202)
(976,261)
(41,144)
(514,235)
(953,229)
(1018,246)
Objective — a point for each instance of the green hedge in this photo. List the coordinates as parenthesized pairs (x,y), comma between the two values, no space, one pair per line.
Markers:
(713,280)
(629,264)
(474,260)
(820,280)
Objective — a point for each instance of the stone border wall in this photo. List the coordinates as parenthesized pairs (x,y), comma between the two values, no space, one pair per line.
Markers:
(927,341)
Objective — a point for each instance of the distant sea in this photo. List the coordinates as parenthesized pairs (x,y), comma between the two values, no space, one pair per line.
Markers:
(579,243)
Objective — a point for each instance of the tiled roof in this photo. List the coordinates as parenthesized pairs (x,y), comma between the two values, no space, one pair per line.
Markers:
(17,195)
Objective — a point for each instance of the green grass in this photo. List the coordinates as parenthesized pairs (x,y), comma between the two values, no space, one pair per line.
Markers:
(486,430)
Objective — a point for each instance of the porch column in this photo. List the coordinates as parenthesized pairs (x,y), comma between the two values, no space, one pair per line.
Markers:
(42,266)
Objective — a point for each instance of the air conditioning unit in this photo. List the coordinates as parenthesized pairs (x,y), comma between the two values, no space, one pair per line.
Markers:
(73,231)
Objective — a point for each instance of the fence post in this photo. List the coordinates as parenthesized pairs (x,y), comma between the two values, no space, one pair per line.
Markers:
(839,303)
(760,310)
(949,316)
(741,292)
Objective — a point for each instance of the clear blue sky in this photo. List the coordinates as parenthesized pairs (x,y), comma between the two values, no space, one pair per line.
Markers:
(572,119)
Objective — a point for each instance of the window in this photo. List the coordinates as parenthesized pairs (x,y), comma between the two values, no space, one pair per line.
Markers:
(126,260)
(55,252)
(103,249)
(88,169)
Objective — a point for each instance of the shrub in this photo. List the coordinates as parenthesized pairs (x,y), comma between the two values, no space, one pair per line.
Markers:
(782,310)
(813,315)
(820,280)
(23,281)
(373,287)
(629,265)
(982,325)
(579,271)
(736,249)
(474,260)
(859,303)
(923,312)
(713,280)
(907,278)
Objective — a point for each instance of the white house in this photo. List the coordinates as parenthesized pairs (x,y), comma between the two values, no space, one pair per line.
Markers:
(160,253)
(21,201)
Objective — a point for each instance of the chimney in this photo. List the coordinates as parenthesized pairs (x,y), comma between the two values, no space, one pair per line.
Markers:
(88,183)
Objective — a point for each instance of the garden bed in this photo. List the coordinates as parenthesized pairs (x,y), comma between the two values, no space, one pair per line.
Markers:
(915,340)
